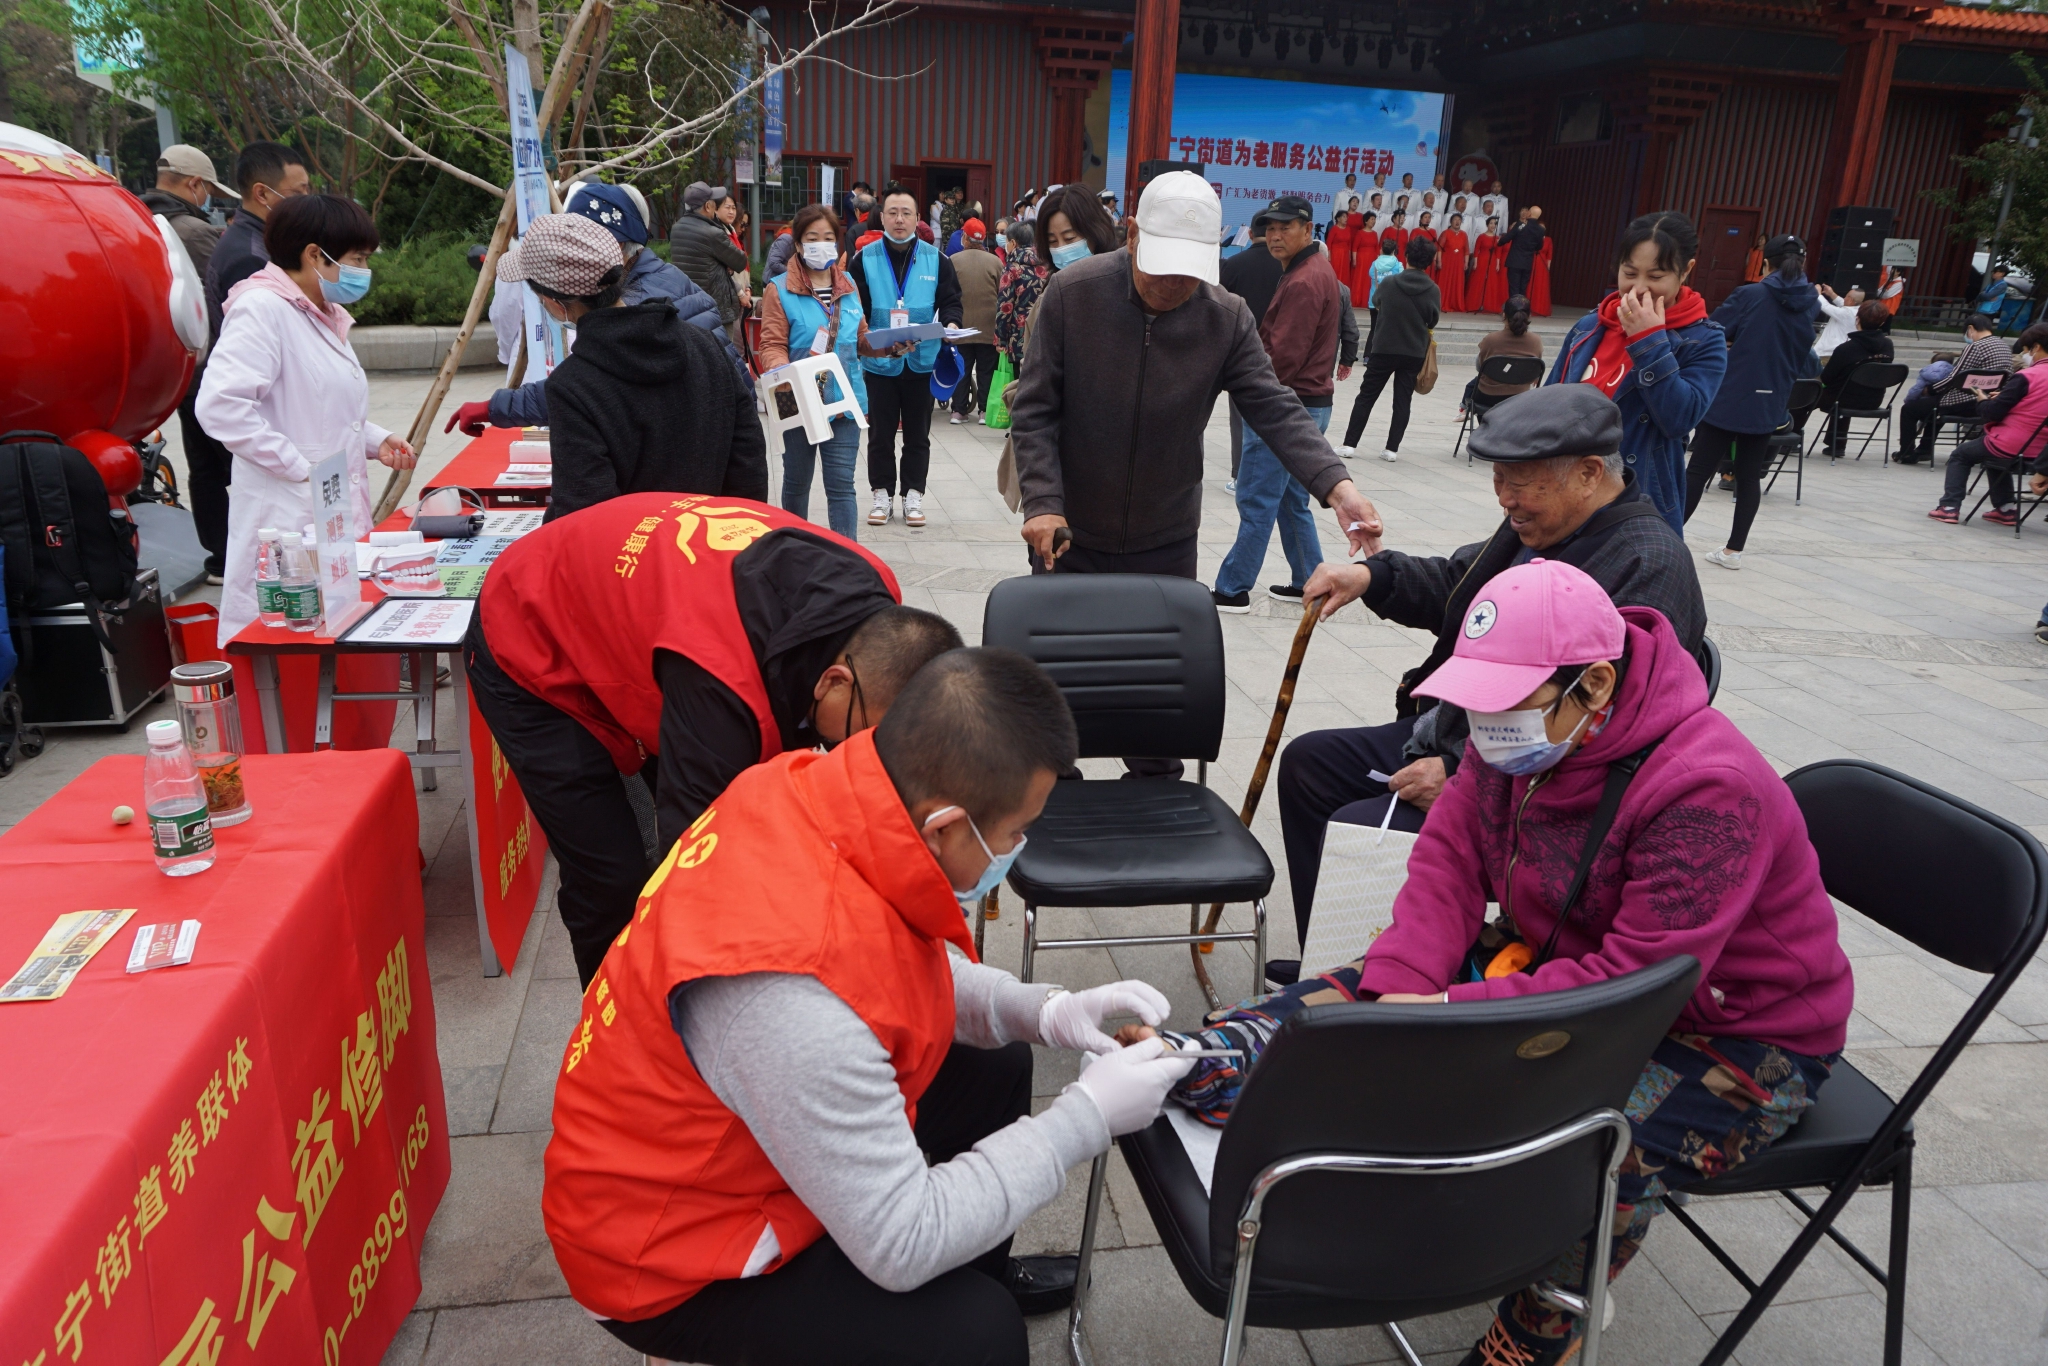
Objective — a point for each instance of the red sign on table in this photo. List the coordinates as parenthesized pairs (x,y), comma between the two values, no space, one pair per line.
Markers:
(508,842)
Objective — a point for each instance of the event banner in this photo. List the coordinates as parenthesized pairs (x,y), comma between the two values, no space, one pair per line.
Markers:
(1260,139)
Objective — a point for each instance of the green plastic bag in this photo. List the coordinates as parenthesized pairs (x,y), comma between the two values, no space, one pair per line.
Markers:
(998,414)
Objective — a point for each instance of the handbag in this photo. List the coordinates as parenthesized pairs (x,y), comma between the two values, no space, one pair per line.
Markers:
(1425,378)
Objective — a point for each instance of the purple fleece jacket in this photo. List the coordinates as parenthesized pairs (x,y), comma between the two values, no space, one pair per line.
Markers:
(1707,856)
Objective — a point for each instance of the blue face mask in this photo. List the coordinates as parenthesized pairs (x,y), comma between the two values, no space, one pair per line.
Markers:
(1062,257)
(991,876)
(352,286)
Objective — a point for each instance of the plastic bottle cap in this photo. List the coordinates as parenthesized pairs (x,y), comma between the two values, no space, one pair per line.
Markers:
(268,533)
(165,733)
(291,538)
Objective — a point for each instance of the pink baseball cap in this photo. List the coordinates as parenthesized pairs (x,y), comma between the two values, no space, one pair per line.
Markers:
(1524,625)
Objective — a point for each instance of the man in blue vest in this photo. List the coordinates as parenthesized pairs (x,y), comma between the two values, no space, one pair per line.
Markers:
(902,280)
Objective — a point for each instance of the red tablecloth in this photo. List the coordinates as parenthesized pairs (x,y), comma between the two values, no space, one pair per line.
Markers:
(235,1159)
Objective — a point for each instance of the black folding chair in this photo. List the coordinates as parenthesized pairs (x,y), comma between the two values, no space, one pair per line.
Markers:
(1981,384)
(1958,881)
(1511,1106)
(1516,370)
(1880,378)
(1710,665)
(1789,441)
(1140,660)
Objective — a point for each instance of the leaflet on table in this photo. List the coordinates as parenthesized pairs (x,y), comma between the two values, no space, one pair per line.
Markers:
(463,580)
(524,479)
(66,948)
(471,550)
(424,622)
(168,945)
(513,524)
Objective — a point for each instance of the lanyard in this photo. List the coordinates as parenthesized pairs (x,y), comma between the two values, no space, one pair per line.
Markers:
(903,275)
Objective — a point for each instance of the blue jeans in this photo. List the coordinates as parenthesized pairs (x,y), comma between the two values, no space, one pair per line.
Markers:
(1267,493)
(839,454)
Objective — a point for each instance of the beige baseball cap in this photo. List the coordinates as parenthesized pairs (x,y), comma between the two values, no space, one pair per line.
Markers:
(1180,227)
(182,158)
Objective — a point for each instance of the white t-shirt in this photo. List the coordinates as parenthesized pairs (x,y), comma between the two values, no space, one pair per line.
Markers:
(1495,206)
(1841,322)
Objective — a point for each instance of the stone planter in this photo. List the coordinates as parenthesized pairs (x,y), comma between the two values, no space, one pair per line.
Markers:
(421,348)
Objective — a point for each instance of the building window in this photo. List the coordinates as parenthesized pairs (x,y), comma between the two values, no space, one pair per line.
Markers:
(1583,118)
(800,185)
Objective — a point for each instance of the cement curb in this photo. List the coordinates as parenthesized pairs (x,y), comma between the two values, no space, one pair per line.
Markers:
(420,348)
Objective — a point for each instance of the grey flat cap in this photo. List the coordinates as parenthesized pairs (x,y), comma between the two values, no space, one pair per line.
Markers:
(1557,419)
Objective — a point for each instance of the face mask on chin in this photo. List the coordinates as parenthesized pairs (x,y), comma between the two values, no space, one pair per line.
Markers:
(907,234)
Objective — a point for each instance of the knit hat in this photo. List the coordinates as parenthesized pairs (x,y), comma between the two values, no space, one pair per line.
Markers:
(563,253)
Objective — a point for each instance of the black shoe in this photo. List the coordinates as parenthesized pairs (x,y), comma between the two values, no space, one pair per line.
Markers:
(1282,972)
(1503,1346)
(1284,593)
(1041,1285)
(1235,603)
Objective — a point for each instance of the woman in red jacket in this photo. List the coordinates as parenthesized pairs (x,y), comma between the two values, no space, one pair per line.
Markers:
(1539,280)
(1339,241)
(1482,269)
(1450,254)
(1425,229)
(1496,296)
(1365,249)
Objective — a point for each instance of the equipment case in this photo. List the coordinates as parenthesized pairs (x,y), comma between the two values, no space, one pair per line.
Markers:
(69,679)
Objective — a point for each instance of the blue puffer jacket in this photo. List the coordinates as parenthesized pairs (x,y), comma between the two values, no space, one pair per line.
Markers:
(1770,344)
(1672,381)
(649,277)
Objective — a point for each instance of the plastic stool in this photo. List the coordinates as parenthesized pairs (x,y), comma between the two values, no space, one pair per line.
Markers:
(813,413)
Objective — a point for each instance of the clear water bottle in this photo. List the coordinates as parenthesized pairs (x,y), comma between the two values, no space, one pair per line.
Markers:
(174,795)
(269,578)
(299,584)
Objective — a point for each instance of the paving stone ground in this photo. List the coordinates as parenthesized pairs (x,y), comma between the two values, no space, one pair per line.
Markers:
(1856,626)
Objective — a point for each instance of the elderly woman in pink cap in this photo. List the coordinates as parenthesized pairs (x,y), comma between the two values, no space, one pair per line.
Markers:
(1707,855)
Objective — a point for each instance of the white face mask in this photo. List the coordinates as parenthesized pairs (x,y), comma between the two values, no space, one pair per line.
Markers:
(1517,743)
(820,255)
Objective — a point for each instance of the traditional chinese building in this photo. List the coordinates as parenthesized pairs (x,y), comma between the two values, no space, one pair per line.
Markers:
(1750,117)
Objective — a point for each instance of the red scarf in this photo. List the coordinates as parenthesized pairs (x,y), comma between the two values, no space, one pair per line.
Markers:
(1611,361)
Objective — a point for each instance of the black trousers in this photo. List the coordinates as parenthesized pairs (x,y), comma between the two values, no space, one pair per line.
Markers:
(1710,448)
(1916,423)
(906,396)
(1324,777)
(981,371)
(1955,477)
(1378,370)
(1518,279)
(820,1310)
(208,466)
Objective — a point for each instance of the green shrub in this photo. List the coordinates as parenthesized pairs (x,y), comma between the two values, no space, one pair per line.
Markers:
(425,283)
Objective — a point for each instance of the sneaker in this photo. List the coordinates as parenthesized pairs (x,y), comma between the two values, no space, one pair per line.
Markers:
(1230,486)
(1041,1285)
(1235,603)
(1503,1347)
(1282,973)
(1728,483)
(215,579)
(1944,514)
(878,515)
(2002,516)
(1727,559)
(1284,593)
(1390,456)
(913,509)
(2041,632)
(1347,451)
(957,418)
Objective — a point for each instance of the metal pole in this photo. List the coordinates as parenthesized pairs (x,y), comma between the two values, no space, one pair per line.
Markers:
(759,34)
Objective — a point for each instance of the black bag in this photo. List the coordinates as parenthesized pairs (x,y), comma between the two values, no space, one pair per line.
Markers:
(65,543)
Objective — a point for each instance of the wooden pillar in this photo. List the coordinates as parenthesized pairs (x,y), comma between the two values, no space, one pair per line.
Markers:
(1156,45)
(1860,102)
(1069,130)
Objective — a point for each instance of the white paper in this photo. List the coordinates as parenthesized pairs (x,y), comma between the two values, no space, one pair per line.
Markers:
(1363,870)
(511,523)
(825,174)
(1200,1141)
(177,938)
(962,333)
(515,479)
(423,622)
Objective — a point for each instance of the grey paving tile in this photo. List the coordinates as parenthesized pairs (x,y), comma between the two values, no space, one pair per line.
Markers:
(2016,1213)
(409,1348)
(1140,1315)
(486,1244)
(526,1096)
(1845,1331)
(472,1094)
(528,1333)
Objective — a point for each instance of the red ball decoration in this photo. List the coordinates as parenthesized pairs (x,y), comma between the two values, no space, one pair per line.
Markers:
(119,465)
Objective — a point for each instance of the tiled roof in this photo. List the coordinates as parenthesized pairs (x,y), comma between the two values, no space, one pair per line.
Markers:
(1969,18)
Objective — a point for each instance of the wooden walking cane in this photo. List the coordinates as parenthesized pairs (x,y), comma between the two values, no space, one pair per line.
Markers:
(1310,613)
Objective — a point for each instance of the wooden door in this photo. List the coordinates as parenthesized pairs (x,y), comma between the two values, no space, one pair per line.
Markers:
(1726,237)
(910,178)
(978,193)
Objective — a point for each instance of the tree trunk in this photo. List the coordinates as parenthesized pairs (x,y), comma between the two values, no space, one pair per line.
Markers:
(526,37)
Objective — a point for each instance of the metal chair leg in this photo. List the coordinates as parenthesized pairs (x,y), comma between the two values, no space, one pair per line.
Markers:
(1401,1343)
(1030,940)
(1895,1269)
(1096,1175)
(1259,947)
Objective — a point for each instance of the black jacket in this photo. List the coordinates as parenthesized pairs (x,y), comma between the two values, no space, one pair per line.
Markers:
(1524,240)
(238,255)
(1405,308)
(1626,547)
(702,250)
(647,403)
(193,227)
(1860,347)
(1252,275)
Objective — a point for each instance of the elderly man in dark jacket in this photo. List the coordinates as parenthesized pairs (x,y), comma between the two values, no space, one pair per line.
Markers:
(700,247)
(1559,476)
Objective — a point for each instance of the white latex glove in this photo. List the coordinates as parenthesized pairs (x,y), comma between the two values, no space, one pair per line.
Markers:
(1129,1085)
(1073,1019)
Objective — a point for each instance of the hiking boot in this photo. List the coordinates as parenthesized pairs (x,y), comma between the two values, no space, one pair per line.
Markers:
(878,515)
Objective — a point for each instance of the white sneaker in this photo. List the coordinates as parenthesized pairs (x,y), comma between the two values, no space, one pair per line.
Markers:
(957,418)
(913,509)
(1230,486)
(1347,451)
(1390,456)
(1727,559)
(878,515)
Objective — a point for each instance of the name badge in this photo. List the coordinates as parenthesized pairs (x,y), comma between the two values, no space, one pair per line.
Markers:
(899,317)
(821,343)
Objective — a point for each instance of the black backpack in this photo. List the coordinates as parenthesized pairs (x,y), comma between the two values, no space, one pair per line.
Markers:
(65,543)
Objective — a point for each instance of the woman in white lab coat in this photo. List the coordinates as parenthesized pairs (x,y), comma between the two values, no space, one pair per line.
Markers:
(283,390)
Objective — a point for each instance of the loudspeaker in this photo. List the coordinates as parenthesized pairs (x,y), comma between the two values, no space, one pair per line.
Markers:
(1148,171)
(1863,218)
(1852,248)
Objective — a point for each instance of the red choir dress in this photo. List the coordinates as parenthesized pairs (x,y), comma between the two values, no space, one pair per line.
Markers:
(1482,271)
(1365,249)
(1496,297)
(1340,242)
(1450,253)
(1539,280)
(1400,238)
(1428,235)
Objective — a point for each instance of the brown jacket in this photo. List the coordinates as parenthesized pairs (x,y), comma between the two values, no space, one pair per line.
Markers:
(1299,328)
(774,349)
(1505,343)
(979,272)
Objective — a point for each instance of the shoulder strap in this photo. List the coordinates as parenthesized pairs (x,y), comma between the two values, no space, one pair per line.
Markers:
(59,530)
(1620,774)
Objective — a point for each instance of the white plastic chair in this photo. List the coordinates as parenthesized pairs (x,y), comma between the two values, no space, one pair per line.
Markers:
(813,413)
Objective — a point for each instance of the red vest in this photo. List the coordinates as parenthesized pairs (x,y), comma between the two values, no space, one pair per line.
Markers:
(807,864)
(2019,432)
(574,612)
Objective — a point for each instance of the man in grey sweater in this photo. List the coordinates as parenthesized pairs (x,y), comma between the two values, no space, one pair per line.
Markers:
(1128,353)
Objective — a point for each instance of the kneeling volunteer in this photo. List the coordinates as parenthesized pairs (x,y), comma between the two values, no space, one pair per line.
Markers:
(803,1134)
(714,632)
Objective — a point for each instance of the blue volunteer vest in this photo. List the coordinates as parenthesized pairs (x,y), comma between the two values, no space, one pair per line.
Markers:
(806,316)
(919,292)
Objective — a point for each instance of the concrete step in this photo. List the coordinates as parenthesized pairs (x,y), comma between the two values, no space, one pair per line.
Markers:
(421,348)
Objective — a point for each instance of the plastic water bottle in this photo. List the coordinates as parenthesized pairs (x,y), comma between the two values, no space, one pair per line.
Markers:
(269,578)
(299,584)
(174,795)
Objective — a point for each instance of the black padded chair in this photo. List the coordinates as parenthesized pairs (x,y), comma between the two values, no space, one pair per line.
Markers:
(1501,370)
(1962,422)
(1880,378)
(1789,441)
(1710,665)
(1317,1164)
(1959,882)
(2015,468)
(1140,660)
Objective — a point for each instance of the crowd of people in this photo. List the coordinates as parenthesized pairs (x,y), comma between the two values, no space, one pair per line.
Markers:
(1480,258)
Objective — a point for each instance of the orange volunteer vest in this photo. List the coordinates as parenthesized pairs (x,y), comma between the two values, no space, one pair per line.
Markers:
(574,612)
(654,1189)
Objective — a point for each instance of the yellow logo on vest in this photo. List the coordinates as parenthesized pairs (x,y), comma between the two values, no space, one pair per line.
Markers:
(729,530)
(690,851)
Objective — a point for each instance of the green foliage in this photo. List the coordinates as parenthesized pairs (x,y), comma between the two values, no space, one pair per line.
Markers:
(2023,242)
(426,283)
